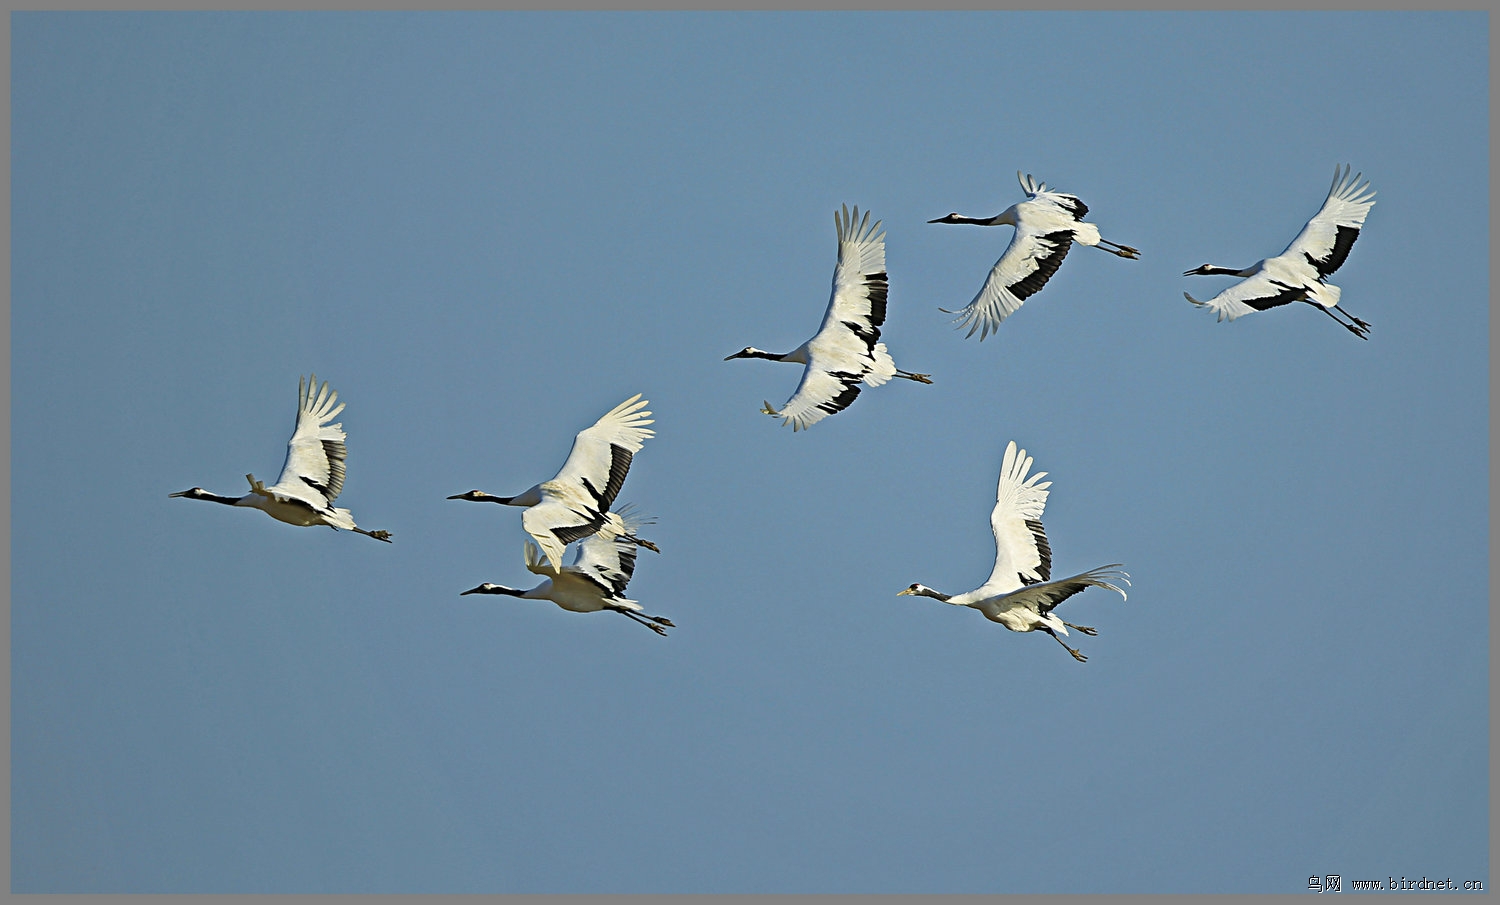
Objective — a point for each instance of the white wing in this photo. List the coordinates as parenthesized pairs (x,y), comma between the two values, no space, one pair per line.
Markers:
(1042,597)
(1326,239)
(607,557)
(1255,293)
(1032,257)
(314,469)
(1022,555)
(843,352)
(575,502)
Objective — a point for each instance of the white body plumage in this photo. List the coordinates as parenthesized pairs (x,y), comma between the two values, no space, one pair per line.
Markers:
(1047,224)
(846,351)
(596,579)
(1019,594)
(1300,273)
(575,503)
(313,474)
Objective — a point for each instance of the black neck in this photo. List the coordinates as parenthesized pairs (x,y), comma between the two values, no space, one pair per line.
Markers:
(213,498)
(495,589)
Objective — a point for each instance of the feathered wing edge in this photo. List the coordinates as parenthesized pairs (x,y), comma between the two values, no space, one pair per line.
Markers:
(1045,596)
(1030,184)
(850,328)
(316,451)
(577,500)
(1327,238)
(1027,263)
(1022,554)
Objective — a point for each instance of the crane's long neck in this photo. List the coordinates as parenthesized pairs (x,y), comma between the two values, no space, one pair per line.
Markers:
(1006,217)
(201,494)
(529,497)
(490,498)
(798,355)
(920,590)
(488,588)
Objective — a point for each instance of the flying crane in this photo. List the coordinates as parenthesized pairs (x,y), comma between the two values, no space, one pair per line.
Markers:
(1047,224)
(575,503)
(313,475)
(1019,593)
(846,351)
(1300,273)
(595,580)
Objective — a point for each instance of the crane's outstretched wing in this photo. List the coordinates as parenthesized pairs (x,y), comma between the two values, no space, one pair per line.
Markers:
(843,352)
(314,469)
(1029,261)
(1040,598)
(1071,205)
(1022,555)
(575,503)
(1256,293)
(1326,239)
(607,557)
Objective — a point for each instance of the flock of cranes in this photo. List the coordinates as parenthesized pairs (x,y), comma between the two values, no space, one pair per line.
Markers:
(578,504)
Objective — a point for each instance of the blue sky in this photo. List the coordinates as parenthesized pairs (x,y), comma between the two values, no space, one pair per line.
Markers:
(487,229)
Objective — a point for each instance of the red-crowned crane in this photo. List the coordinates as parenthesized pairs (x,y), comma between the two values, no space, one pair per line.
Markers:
(1047,224)
(846,351)
(575,503)
(313,475)
(1019,593)
(596,578)
(1300,274)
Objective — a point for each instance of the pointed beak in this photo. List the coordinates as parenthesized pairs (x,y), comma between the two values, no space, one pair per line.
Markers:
(938,220)
(903,592)
(183,493)
(471,591)
(457,496)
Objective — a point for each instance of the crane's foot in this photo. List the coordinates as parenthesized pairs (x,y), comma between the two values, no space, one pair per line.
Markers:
(919,378)
(1076,655)
(1124,251)
(1086,629)
(663,620)
(378,535)
(655,628)
(644,543)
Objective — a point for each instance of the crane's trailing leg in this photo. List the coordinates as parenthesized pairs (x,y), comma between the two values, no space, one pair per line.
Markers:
(919,378)
(1358,328)
(1362,325)
(1115,248)
(648,621)
(639,542)
(1086,629)
(378,535)
(1076,655)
